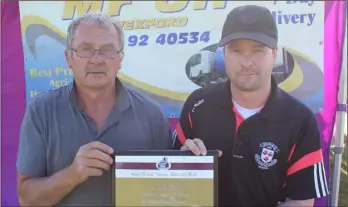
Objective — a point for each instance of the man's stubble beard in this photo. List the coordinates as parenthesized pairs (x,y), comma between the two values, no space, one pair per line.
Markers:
(251,85)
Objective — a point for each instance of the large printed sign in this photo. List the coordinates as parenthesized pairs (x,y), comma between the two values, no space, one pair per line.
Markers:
(171,47)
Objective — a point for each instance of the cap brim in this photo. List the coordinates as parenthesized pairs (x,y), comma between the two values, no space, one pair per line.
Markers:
(259,37)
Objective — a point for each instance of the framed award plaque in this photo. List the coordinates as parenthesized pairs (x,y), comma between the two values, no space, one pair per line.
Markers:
(164,178)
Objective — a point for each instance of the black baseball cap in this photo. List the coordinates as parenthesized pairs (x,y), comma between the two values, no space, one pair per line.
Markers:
(250,22)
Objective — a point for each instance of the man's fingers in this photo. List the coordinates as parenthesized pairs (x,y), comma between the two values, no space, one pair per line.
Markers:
(100,146)
(192,147)
(94,163)
(184,148)
(90,171)
(197,147)
(97,154)
(199,143)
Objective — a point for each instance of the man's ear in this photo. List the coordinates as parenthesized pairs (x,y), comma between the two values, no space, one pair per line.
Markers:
(274,54)
(121,59)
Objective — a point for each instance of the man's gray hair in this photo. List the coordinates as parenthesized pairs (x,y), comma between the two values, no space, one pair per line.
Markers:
(96,18)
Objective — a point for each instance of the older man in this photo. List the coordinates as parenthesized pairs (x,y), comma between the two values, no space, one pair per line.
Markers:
(68,134)
(269,143)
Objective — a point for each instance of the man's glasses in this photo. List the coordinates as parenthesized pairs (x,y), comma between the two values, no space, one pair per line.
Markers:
(89,53)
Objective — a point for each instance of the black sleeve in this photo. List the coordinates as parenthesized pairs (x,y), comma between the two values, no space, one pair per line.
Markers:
(183,129)
(306,177)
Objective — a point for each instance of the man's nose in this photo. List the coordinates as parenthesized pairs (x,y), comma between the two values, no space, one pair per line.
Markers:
(247,61)
(96,58)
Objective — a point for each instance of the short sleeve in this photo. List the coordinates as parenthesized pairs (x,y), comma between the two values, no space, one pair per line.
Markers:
(183,128)
(306,178)
(31,157)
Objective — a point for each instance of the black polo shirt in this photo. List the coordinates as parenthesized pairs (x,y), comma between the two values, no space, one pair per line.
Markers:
(273,155)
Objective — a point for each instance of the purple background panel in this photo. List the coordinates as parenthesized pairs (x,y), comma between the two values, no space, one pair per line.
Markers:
(13,98)
(335,12)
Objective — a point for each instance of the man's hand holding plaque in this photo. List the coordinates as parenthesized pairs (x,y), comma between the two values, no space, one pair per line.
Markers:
(90,160)
(196,146)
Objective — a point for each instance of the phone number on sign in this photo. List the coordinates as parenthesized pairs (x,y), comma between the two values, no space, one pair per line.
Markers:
(170,38)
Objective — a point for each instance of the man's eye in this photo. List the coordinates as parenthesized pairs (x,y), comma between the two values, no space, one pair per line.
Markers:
(258,50)
(107,50)
(86,49)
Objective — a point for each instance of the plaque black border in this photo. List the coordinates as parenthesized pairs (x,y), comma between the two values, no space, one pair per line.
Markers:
(213,153)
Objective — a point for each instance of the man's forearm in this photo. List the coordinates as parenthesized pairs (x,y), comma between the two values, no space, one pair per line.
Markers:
(47,191)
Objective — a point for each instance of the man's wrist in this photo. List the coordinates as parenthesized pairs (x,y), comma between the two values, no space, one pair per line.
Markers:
(72,176)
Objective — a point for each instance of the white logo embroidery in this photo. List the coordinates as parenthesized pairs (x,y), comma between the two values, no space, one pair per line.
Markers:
(197,104)
(174,137)
(265,159)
